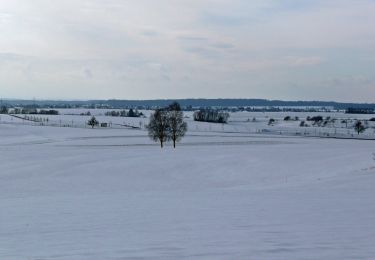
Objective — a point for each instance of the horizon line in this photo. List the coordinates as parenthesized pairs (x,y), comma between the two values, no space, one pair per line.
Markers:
(179,99)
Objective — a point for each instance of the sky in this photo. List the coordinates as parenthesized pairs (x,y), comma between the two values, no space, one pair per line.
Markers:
(151,49)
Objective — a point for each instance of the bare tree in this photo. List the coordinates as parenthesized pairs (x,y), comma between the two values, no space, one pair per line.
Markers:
(93,122)
(158,127)
(4,110)
(359,127)
(177,126)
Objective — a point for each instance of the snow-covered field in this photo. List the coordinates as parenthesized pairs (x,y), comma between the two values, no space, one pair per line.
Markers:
(241,122)
(226,192)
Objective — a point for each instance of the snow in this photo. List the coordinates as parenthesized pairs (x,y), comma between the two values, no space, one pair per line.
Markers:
(80,193)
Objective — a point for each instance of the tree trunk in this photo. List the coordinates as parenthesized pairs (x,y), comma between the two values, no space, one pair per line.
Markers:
(161,144)
(174,143)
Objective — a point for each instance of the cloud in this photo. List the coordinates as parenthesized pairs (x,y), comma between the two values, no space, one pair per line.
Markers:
(305,61)
(222,45)
(88,73)
(149,33)
(259,48)
(224,20)
(192,38)
(350,81)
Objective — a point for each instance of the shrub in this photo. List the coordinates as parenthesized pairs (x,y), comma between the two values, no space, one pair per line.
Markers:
(124,113)
(315,118)
(49,112)
(271,121)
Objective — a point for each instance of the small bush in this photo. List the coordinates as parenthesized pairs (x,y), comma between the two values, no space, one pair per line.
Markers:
(315,118)
(287,118)
(271,121)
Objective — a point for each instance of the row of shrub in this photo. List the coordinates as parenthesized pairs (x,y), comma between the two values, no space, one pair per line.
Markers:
(213,116)
(124,113)
(27,111)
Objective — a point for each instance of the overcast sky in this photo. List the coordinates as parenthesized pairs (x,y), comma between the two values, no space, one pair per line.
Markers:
(147,49)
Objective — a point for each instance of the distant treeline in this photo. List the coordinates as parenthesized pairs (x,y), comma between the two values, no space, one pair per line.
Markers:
(124,113)
(212,116)
(353,110)
(30,111)
(187,104)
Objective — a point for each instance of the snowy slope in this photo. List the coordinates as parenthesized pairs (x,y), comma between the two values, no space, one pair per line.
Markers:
(68,193)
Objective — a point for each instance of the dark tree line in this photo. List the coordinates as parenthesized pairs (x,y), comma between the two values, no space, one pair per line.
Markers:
(207,115)
(124,113)
(27,111)
(167,124)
